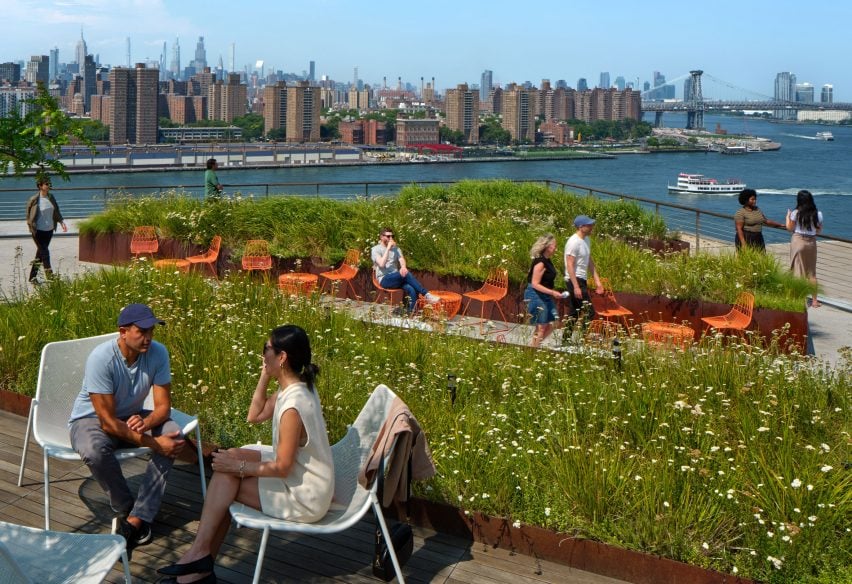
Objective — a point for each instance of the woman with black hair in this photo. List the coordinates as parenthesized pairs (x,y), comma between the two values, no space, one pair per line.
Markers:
(293,480)
(805,221)
(749,221)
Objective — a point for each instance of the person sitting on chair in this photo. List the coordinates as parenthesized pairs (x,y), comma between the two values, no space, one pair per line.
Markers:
(392,272)
(109,413)
(293,481)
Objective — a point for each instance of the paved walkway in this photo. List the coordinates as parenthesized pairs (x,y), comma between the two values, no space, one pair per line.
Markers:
(830,325)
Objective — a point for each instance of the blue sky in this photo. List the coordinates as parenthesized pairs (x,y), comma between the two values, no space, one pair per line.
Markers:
(742,43)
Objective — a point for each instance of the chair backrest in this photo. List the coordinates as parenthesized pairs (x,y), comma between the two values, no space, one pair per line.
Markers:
(60,379)
(352,451)
(744,305)
(215,245)
(607,301)
(497,283)
(353,256)
(144,240)
(256,255)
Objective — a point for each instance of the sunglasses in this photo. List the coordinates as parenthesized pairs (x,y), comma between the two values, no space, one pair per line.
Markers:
(388,235)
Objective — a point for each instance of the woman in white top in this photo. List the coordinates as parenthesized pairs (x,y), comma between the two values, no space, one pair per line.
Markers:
(806,223)
(294,479)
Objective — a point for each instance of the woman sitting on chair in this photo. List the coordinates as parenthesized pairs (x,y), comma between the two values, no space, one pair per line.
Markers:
(293,481)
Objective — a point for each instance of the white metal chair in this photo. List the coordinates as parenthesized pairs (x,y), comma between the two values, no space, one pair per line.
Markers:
(60,378)
(351,501)
(30,555)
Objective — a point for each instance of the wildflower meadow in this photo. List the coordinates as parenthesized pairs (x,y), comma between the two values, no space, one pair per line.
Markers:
(728,456)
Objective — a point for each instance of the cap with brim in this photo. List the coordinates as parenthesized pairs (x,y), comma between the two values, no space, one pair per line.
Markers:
(582,220)
(140,315)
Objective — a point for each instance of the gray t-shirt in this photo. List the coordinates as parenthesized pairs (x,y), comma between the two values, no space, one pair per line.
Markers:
(391,266)
(108,373)
(44,222)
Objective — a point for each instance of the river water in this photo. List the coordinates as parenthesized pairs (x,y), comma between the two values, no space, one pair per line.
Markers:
(802,163)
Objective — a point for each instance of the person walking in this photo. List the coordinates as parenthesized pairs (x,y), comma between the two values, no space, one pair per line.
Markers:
(749,221)
(579,267)
(212,186)
(43,216)
(540,295)
(805,221)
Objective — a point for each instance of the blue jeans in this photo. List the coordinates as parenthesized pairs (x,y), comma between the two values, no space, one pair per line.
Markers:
(409,283)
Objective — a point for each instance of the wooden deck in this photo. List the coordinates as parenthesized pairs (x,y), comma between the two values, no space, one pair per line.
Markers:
(79,505)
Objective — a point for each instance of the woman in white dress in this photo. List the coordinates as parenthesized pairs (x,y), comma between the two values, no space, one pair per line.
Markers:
(294,479)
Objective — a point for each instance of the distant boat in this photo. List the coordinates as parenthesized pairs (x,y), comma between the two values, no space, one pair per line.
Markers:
(733,149)
(827,136)
(700,184)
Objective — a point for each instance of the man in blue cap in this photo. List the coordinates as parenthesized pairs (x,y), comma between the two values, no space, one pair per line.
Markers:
(578,267)
(109,413)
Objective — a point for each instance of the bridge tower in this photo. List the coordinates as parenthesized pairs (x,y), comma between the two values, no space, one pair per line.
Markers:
(695,104)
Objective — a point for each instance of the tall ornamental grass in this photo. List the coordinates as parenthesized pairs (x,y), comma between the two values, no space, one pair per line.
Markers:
(727,456)
(462,229)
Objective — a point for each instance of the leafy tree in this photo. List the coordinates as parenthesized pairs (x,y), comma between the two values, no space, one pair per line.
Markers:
(165,122)
(252,125)
(653,142)
(492,132)
(452,136)
(330,130)
(94,130)
(278,134)
(35,139)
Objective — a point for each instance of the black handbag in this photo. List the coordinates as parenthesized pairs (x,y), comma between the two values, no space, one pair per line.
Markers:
(403,544)
(400,533)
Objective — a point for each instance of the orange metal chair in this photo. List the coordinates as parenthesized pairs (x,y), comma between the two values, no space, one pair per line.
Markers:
(346,272)
(256,256)
(209,257)
(739,317)
(607,307)
(389,293)
(494,290)
(144,240)
(601,332)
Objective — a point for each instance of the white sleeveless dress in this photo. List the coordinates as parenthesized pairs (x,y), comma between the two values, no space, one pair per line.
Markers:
(305,494)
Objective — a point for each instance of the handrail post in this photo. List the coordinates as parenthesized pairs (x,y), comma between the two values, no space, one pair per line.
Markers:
(697,231)
(367,190)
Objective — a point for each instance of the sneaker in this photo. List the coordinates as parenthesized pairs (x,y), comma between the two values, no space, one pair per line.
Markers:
(144,535)
(134,536)
(431,298)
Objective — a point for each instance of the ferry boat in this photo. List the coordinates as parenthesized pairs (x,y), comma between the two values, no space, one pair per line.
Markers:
(700,184)
(827,136)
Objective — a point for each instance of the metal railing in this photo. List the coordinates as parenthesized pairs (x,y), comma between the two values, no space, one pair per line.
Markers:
(705,230)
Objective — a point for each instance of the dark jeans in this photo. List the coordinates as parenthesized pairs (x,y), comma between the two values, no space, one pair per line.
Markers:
(409,283)
(42,257)
(581,308)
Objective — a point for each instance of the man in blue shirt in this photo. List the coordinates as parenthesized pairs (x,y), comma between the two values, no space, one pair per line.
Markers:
(109,413)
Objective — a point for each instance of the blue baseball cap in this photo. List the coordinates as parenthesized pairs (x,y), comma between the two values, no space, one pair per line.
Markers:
(140,315)
(581,220)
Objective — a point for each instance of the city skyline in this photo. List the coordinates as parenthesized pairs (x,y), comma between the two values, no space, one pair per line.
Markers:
(454,42)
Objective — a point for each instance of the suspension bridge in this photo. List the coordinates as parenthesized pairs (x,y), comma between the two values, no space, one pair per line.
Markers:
(695,104)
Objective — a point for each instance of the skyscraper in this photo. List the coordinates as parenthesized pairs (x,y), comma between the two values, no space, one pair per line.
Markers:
(89,85)
(582,84)
(200,61)
(175,64)
(486,84)
(804,92)
(518,116)
(827,94)
(38,69)
(54,63)
(620,83)
(312,71)
(133,115)
(81,51)
(462,109)
(604,81)
(303,113)
(785,90)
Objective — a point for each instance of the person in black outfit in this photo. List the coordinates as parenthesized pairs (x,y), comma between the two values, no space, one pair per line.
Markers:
(539,295)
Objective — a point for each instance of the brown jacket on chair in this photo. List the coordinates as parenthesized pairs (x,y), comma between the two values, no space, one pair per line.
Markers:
(410,442)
